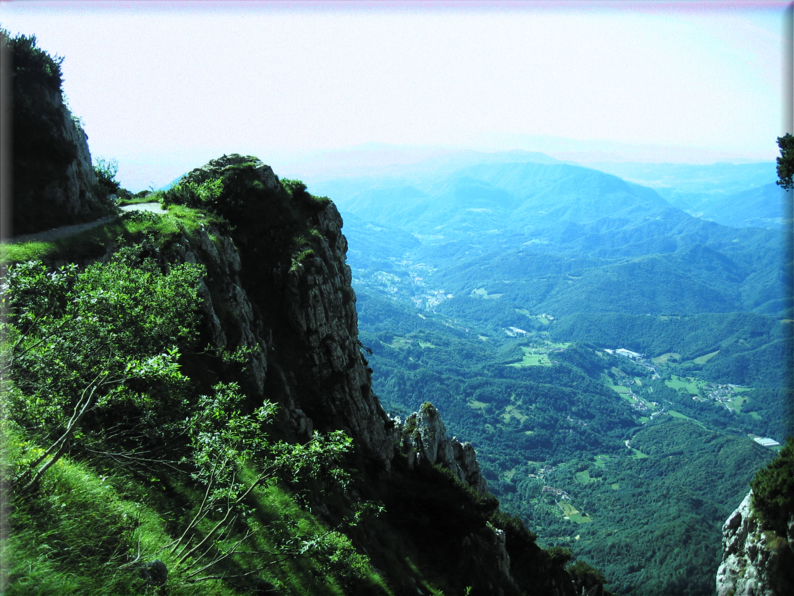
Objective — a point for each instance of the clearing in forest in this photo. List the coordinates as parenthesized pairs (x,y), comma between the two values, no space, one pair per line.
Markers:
(573,514)
(688,383)
(584,477)
(513,412)
(705,358)
(477,405)
(532,357)
(665,358)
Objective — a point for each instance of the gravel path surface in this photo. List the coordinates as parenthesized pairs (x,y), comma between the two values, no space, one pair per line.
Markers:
(62,232)
(153,207)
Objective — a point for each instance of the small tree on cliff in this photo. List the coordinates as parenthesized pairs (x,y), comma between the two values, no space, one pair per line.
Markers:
(106,170)
(785,163)
(773,489)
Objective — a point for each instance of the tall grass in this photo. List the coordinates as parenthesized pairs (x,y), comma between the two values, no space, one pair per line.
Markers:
(83,531)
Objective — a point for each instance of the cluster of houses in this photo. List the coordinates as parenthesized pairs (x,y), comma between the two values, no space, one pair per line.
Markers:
(557,492)
(543,472)
(430,299)
(637,358)
(721,393)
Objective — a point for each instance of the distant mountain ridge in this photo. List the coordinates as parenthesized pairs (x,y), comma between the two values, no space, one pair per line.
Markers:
(502,219)
(738,195)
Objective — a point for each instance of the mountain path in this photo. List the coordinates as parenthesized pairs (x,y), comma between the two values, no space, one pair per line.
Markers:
(64,231)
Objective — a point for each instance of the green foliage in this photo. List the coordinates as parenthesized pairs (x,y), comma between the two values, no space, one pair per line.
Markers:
(205,195)
(293,187)
(225,444)
(106,171)
(223,439)
(31,63)
(565,417)
(773,489)
(131,227)
(428,408)
(94,358)
(228,186)
(297,190)
(585,576)
(99,343)
(73,537)
(785,163)
(93,531)
(559,555)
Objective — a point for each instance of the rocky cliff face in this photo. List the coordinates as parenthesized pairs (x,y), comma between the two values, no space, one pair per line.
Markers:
(53,180)
(756,561)
(300,312)
(321,313)
(279,283)
(68,195)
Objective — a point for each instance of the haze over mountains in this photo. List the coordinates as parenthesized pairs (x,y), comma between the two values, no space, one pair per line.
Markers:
(559,233)
(739,195)
(502,290)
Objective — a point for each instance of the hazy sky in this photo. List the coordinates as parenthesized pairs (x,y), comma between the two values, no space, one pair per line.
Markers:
(164,88)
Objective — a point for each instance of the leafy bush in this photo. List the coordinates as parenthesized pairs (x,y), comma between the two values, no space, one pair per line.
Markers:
(106,171)
(294,187)
(141,217)
(204,195)
(773,489)
(785,163)
(297,190)
(31,63)
(85,348)
(585,576)
(94,360)
(559,555)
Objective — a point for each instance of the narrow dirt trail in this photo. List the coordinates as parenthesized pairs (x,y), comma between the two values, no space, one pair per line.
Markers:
(64,231)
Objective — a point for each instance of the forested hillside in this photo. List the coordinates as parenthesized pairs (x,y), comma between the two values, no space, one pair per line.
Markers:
(607,353)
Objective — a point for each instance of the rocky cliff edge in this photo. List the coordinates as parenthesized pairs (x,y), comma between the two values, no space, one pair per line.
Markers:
(277,282)
(756,560)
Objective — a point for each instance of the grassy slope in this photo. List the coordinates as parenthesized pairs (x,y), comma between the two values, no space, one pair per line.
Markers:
(90,525)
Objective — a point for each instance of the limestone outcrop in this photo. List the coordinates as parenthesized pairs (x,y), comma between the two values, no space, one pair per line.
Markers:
(296,308)
(424,439)
(321,312)
(756,561)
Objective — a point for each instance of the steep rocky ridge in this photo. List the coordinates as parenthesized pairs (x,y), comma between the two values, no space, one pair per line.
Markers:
(54,183)
(277,281)
(299,311)
(756,560)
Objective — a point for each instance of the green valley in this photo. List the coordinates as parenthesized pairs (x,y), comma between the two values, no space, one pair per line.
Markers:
(612,363)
